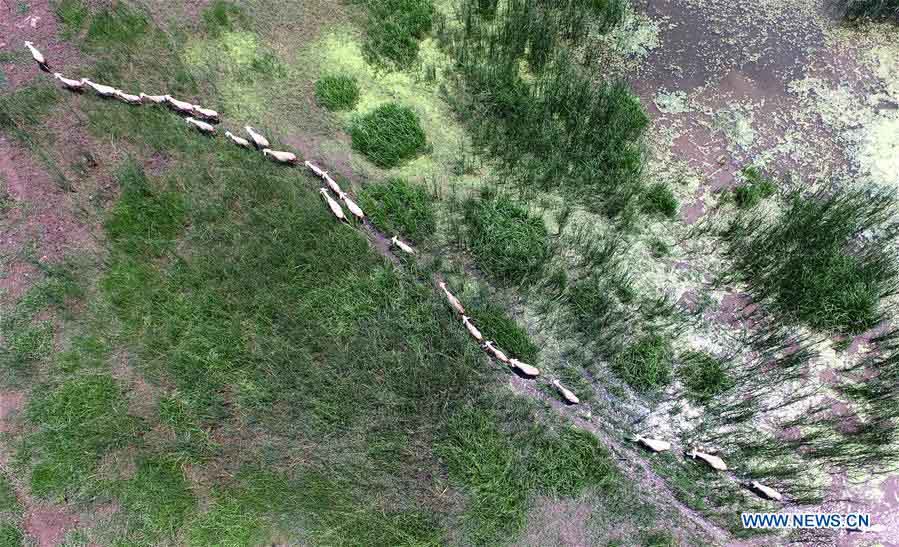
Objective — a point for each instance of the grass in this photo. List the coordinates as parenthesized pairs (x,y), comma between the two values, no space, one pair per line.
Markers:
(394,29)
(222,16)
(550,126)
(337,92)
(703,376)
(8,501)
(397,206)
(494,324)
(814,265)
(23,109)
(501,472)
(121,24)
(76,423)
(659,200)
(756,188)
(157,499)
(646,364)
(389,135)
(72,14)
(10,535)
(874,9)
(509,244)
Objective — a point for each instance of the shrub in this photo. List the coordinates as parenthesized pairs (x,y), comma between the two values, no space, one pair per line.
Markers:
(397,207)
(645,364)
(756,188)
(339,92)
(509,244)
(658,199)
(818,264)
(389,135)
(394,28)
(704,376)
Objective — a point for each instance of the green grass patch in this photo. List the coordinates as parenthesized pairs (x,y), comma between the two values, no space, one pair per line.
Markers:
(8,501)
(29,343)
(817,263)
(756,188)
(11,535)
(394,29)
(25,108)
(704,376)
(223,16)
(389,135)
(646,364)
(72,14)
(509,243)
(144,220)
(873,9)
(397,206)
(337,92)
(494,323)
(659,200)
(118,25)
(501,470)
(157,500)
(76,423)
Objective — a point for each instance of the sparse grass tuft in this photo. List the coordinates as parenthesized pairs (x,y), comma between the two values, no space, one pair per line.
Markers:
(26,107)
(29,343)
(339,92)
(389,135)
(10,535)
(394,29)
(659,200)
(72,14)
(8,501)
(646,364)
(118,25)
(819,264)
(396,206)
(509,244)
(157,499)
(756,188)
(76,423)
(659,538)
(222,16)
(703,376)
(874,9)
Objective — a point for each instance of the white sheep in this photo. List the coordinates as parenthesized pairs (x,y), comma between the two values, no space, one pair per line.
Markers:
(655,445)
(566,393)
(351,205)
(524,368)
(281,157)
(201,125)
(472,329)
(500,356)
(239,141)
(712,461)
(765,491)
(332,184)
(73,85)
(207,114)
(127,97)
(405,247)
(258,140)
(332,204)
(100,89)
(315,169)
(157,99)
(38,57)
(183,107)
(453,301)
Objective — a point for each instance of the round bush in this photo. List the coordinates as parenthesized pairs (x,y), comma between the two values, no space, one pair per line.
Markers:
(397,207)
(389,135)
(645,364)
(337,92)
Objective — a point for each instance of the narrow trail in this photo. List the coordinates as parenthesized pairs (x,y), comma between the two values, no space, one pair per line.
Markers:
(637,468)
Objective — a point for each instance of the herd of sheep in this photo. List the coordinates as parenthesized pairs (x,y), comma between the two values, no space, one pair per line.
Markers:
(205,120)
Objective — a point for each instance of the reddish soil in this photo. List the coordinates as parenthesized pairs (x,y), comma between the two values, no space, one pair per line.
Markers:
(48,524)
(10,403)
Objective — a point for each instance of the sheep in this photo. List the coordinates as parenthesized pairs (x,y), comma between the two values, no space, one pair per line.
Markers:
(472,329)
(258,140)
(200,125)
(712,461)
(207,114)
(281,157)
(453,301)
(239,141)
(102,90)
(765,491)
(38,57)
(71,85)
(402,245)
(332,204)
(315,169)
(157,99)
(127,98)
(524,368)
(332,184)
(182,107)
(566,393)
(351,205)
(500,356)
(655,445)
